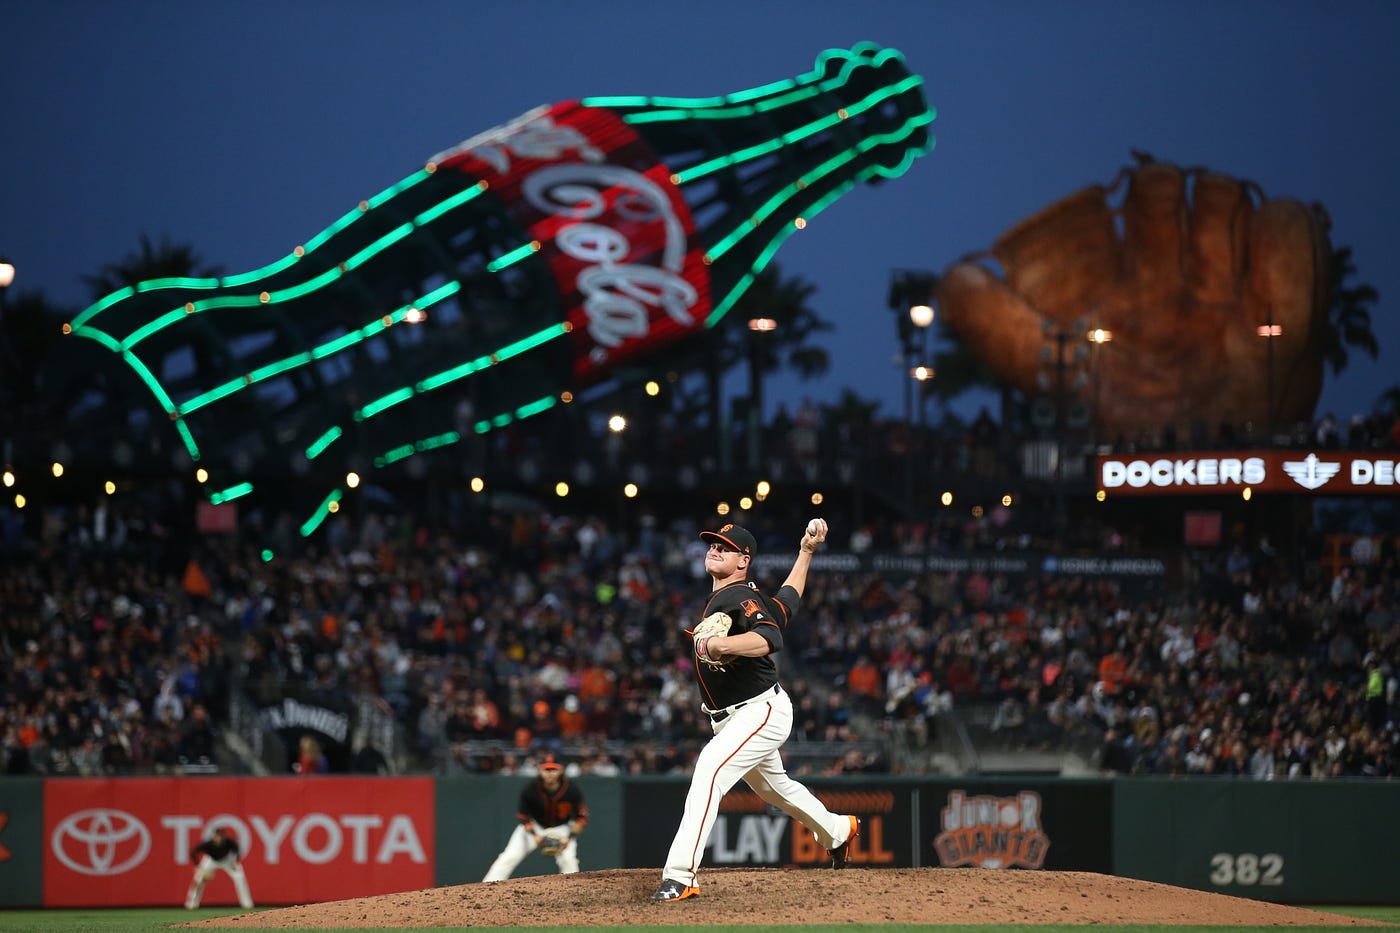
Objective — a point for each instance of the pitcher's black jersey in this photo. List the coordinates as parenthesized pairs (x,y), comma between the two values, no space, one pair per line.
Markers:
(751,611)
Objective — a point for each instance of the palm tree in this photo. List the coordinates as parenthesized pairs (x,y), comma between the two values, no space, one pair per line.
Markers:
(1388,402)
(150,261)
(734,341)
(786,302)
(30,328)
(1348,313)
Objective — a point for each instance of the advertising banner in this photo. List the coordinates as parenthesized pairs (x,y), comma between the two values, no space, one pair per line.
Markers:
(1011,564)
(129,841)
(1056,825)
(750,833)
(1301,472)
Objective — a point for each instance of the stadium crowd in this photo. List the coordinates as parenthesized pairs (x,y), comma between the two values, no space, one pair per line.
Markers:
(525,632)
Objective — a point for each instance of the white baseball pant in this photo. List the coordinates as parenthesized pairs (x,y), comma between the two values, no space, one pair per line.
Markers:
(205,870)
(747,745)
(522,843)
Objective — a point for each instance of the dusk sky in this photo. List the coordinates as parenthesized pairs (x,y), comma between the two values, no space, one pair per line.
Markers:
(244,128)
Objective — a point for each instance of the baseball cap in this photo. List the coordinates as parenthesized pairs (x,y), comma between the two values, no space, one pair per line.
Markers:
(549,764)
(735,536)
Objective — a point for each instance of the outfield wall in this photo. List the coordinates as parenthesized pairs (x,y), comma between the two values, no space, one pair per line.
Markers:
(78,842)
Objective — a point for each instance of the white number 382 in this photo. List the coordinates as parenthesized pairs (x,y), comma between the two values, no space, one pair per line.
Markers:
(1246,868)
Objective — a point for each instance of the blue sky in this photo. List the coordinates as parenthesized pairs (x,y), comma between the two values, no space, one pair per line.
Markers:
(244,128)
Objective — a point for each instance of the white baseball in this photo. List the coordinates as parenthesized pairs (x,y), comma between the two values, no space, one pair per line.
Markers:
(814,528)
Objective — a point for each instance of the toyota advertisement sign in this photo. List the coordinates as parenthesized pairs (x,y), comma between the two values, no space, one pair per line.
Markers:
(1301,472)
(130,842)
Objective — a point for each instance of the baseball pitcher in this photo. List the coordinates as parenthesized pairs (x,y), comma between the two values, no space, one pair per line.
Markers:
(552,814)
(750,713)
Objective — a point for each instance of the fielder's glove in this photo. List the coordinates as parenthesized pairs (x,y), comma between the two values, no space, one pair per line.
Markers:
(714,625)
(551,845)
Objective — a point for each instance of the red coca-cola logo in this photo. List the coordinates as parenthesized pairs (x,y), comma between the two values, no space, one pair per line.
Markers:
(613,228)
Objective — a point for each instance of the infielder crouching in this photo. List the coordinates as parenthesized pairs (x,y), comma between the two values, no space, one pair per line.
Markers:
(219,851)
(552,814)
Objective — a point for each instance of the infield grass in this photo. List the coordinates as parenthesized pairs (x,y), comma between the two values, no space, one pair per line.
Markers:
(159,920)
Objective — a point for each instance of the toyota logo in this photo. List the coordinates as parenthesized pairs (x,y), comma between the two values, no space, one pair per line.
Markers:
(101,842)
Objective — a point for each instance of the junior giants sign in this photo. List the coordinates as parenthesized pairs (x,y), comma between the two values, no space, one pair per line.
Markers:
(1322,473)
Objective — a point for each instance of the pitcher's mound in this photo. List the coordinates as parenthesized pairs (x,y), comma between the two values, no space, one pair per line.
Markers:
(772,896)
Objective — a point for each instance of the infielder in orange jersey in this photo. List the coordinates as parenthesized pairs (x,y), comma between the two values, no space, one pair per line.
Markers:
(750,713)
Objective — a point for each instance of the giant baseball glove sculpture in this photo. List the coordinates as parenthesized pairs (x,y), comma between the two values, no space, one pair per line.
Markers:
(1185,275)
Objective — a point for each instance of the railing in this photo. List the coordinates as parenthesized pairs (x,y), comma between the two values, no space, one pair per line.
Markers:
(801,756)
(262,744)
(1034,738)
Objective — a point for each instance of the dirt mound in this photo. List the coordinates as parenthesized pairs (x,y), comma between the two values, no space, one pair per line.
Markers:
(769,896)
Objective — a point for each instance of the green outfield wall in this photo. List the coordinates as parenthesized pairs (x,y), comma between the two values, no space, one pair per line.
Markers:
(476,815)
(1313,842)
(21,842)
(126,840)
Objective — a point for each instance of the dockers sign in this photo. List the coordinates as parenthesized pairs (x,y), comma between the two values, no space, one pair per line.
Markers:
(1301,472)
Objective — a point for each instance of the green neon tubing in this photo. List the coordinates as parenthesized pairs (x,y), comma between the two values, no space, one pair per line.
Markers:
(156,388)
(766,256)
(279,265)
(457,200)
(850,58)
(510,258)
(816,126)
(331,347)
(188,438)
(319,352)
(432,382)
(400,187)
(231,493)
(534,408)
(102,337)
(319,446)
(102,305)
(271,269)
(439,440)
(151,285)
(380,404)
(213,395)
(160,323)
(817,174)
(384,242)
(509,350)
(319,516)
(394,456)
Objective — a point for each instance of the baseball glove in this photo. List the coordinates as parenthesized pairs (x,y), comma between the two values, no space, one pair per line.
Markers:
(1183,275)
(712,626)
(552,845)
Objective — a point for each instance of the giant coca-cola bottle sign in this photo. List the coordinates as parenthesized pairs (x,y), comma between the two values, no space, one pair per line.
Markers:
(613,228)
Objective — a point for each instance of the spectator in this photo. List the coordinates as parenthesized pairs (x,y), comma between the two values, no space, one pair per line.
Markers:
(310,759)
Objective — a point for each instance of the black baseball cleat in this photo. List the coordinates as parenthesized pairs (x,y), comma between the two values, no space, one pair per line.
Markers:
(841,855)
(673,891)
